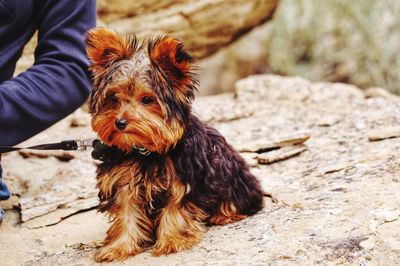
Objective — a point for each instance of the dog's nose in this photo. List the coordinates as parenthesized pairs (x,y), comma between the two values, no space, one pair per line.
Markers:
(121,123)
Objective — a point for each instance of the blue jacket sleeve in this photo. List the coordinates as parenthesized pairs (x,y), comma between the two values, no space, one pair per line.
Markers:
(58,82)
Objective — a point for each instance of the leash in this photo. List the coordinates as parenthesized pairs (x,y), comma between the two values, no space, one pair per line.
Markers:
(66,145)
(100,150)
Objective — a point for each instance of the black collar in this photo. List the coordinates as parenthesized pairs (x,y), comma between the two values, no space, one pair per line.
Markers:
(111,153)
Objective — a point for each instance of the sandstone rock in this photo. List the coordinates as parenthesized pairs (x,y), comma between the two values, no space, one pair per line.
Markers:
(204,26)
(368,244)
(327,121)
(393,243)
(280,154)
(387,215)
(379,92)
(336,167)
(337,202)
(264,145)
(250,158)
(79,119)
(61,155)
(384,133)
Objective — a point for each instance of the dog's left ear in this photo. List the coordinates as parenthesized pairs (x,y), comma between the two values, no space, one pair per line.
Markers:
(169,55)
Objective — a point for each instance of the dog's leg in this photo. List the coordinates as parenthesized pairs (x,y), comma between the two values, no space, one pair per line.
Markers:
(179,225)
(130,231)
(227,214)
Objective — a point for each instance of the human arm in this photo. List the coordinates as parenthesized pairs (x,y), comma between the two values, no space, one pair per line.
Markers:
(58,82)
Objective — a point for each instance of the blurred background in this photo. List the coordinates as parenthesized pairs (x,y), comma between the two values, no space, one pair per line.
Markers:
(356,42)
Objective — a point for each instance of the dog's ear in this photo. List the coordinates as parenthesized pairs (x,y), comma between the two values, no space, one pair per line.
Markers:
(169,55)
(105,46)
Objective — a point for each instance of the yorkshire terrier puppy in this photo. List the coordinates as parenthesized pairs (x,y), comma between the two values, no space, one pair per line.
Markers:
(175,175)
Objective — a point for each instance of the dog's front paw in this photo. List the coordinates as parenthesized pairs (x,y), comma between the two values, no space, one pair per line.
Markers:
(113,253)
(174,244)
(164,248)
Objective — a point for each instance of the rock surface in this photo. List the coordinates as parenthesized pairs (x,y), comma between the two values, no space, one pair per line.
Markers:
(204,26)
(338,201)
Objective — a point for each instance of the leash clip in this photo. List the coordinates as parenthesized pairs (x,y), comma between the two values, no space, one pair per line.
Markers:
(83,145)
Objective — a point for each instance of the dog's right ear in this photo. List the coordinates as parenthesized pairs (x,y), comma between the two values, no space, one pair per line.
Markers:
(105,46)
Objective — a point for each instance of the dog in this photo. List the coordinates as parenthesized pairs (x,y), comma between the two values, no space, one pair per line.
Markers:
(176,175)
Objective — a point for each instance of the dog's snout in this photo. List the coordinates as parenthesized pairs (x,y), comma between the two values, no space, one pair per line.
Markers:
(121,123)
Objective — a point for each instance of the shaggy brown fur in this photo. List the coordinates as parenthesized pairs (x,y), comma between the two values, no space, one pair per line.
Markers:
(142,97)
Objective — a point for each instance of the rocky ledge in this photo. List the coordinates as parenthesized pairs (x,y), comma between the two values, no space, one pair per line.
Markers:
(328,154)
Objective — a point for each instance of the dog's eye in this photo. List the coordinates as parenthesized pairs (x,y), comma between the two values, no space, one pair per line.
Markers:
(114,98)
(146,100)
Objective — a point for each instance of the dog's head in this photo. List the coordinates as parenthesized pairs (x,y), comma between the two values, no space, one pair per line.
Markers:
(142,92)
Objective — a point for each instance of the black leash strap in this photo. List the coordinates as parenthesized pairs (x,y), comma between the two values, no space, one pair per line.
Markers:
(100,151)
(66,145)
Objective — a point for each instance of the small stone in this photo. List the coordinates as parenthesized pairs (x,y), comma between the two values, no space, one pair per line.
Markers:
(79,119)
(273,144)
(393,243)
(368,244)
(378,92)
(327,121)
(384,133)
(280,154)
(63,156)
(79,246)
(387,215)
(292,139)
(360,125)
(297,206)
(335,167)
